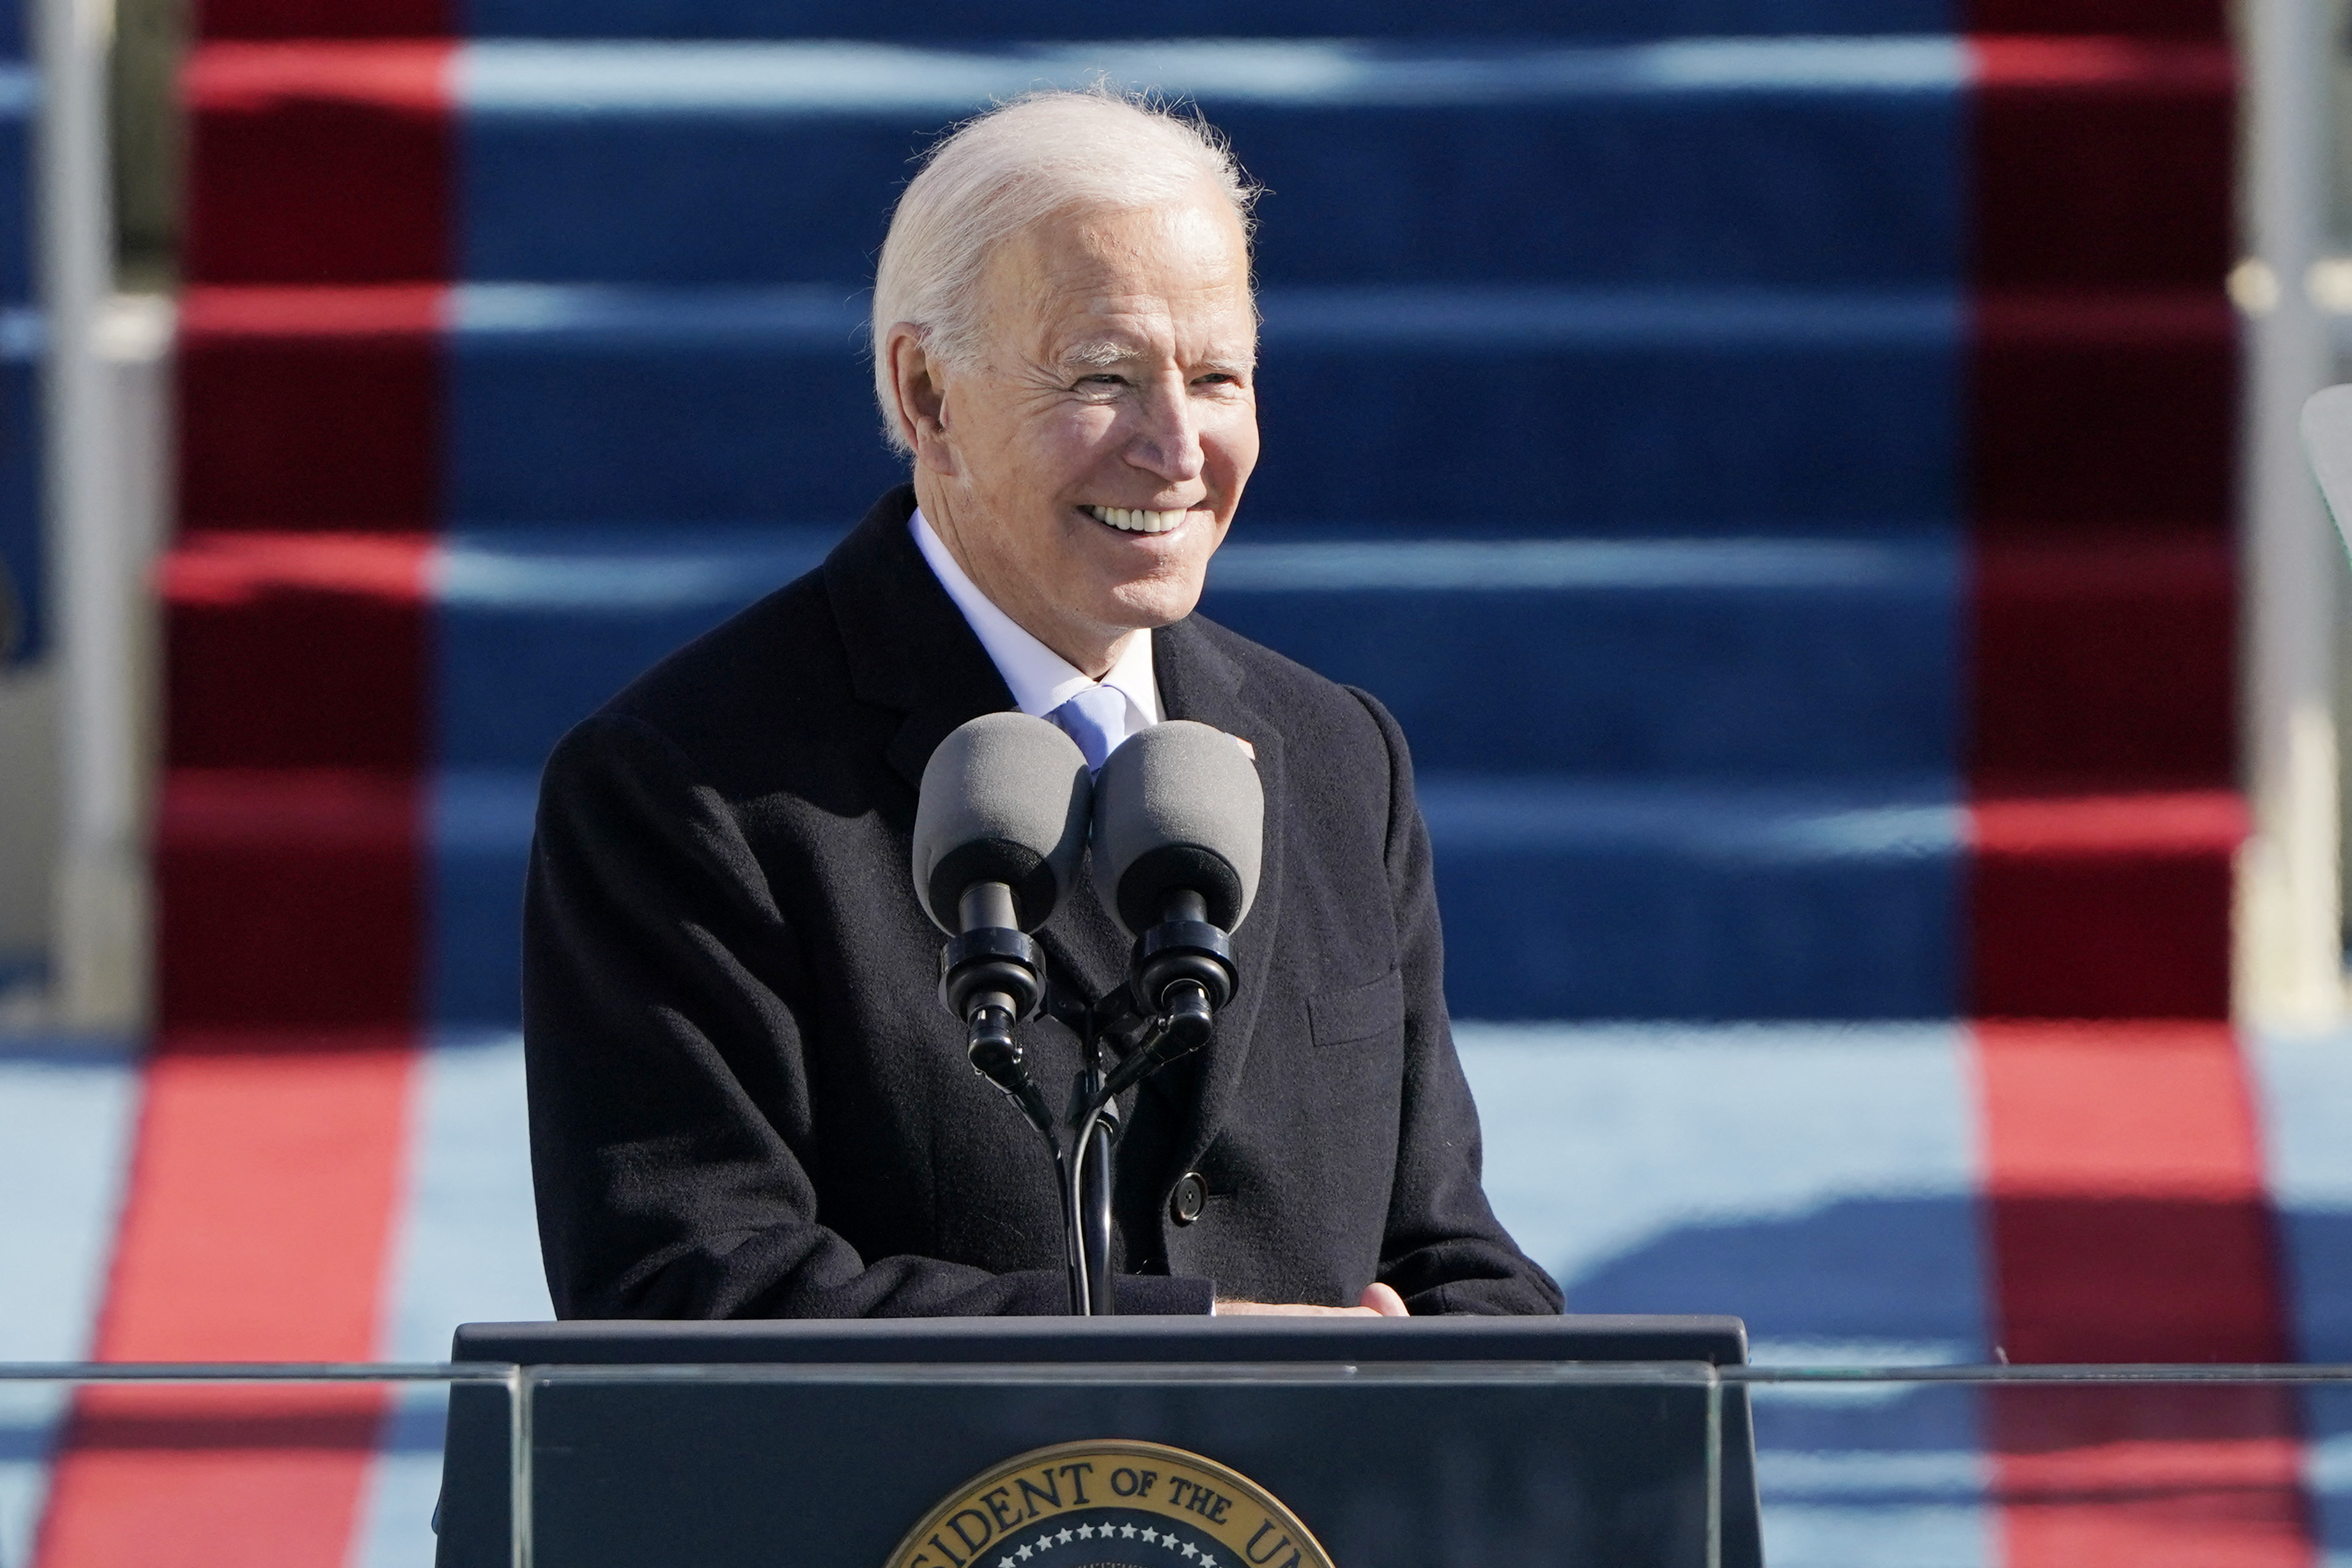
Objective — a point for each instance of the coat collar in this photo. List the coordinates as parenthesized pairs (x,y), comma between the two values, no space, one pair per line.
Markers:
(910,650)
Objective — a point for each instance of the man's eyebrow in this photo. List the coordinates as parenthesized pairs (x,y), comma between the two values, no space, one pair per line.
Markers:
(1104,353)
(1099,354)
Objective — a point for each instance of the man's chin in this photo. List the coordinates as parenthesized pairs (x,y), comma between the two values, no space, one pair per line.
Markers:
(1148,606)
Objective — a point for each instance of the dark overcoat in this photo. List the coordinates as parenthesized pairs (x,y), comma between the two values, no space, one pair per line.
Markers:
(747,1101)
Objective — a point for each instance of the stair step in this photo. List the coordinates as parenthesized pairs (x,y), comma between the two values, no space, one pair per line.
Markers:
(24,591)
(1649,164)
(300,898)
(1728,659)
(536,630)
(1642,658)
(2102,905)
(340,897)
(1644,407)
(1821,161)
(291,897)
(301,650)
(929,21)
(1694,657)
(19,101)
(1578,898)
(1569,898)
(24,544)
(1642,863)
(1616,411)
(1594,899)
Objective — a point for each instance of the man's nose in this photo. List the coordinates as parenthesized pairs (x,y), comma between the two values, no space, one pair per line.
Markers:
(1169,444)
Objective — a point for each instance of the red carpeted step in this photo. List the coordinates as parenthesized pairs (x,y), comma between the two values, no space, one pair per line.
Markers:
(2102,162)
(291,897)
(2102,906)
(2103,414)
(2128,1223)
(2145,18)
(326,18)
(2102,411)
(297,650)
(2103,659)
(258,1227)
(311,407)
(320,163)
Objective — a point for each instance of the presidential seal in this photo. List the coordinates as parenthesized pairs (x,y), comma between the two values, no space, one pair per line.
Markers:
(1110,1505)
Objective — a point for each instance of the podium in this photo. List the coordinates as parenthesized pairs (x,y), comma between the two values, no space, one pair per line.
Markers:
(1106,1443)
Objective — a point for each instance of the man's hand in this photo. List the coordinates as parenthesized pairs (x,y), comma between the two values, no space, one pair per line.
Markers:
(1377,1301)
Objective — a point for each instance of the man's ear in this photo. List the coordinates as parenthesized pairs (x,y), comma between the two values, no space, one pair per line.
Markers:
(921,397)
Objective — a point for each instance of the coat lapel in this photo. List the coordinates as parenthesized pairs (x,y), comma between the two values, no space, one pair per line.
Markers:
(911,650)
(1198,681)
(910,647)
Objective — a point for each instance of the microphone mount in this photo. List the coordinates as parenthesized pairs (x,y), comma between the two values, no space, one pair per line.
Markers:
(993,977)
(1174,822)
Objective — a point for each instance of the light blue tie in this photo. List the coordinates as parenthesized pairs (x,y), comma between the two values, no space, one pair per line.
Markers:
(1097,720)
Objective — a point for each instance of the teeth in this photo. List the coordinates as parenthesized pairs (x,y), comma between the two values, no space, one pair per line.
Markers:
(1135,521)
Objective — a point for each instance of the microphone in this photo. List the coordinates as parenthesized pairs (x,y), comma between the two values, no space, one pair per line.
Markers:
(1179,838)
(1000,829)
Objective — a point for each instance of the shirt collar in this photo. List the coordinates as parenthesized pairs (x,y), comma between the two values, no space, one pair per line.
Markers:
(1041,679)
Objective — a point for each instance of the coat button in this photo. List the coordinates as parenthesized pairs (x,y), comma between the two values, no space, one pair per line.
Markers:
(1191,1196)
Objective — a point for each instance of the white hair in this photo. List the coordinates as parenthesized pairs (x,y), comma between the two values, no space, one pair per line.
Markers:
(1028,160)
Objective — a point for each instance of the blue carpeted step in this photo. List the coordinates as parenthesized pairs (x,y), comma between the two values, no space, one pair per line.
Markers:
(1826,161)
(1528,410)
(23,550)
(1757,659)
(24,584)
(1753,660)
(1612,898)
(927,21)
(534,629)
(1577,899)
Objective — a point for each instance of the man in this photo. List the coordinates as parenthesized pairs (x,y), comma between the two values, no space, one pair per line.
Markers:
(746,1100)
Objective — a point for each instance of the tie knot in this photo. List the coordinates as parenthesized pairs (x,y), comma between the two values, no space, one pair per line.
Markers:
(1097,720)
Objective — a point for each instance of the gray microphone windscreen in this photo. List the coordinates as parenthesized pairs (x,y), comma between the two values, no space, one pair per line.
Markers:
(1004,799)
(1179,808)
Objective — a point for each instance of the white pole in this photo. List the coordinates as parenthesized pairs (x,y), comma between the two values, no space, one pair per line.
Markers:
(2289,935)
(99,957)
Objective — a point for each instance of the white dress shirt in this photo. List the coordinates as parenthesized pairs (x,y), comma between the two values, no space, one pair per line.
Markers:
(1041,679)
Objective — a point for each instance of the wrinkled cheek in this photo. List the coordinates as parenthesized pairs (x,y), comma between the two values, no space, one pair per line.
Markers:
(1083,439)
(1230,448)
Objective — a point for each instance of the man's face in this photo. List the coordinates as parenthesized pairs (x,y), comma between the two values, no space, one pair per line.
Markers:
(1086,470)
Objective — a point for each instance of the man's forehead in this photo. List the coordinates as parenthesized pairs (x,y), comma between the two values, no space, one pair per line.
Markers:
(1102,326)
(1086,278)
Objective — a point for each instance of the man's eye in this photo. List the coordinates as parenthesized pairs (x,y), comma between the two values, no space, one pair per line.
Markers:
(1104,380)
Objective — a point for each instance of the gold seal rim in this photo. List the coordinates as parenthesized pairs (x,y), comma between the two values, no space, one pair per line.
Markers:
(933,1522)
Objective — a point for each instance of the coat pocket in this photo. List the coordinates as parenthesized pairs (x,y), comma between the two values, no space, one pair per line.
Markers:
(1359,1013)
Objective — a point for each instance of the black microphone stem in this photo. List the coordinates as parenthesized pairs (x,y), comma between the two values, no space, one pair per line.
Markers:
(997,1058)
(1093,1211)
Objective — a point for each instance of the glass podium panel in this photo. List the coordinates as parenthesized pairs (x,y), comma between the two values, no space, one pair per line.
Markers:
(2039,1467)
(188,1466)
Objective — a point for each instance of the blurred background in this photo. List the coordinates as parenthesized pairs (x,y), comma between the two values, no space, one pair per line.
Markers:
(1850,441)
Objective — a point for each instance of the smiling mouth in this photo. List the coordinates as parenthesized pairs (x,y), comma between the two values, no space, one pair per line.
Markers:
(1128,520)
